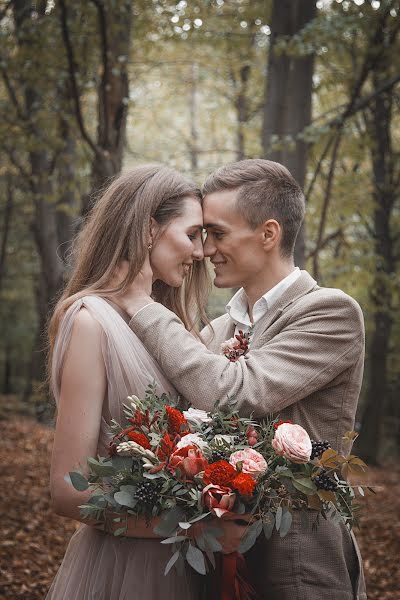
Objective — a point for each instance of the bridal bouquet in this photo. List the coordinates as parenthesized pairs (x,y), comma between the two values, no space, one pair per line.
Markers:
(189,466)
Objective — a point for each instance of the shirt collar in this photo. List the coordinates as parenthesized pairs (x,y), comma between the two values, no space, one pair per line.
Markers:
(237,307)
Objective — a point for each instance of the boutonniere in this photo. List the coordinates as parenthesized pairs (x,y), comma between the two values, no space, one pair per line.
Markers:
(236,347)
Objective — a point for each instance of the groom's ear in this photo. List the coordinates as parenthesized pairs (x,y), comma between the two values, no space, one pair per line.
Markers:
(271,234)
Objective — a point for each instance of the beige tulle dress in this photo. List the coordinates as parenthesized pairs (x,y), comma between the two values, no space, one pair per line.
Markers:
(98,566)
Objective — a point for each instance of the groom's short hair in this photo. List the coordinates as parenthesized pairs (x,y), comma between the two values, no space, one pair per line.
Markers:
(266,190)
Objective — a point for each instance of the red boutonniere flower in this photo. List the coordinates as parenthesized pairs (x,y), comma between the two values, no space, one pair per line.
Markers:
(236,347)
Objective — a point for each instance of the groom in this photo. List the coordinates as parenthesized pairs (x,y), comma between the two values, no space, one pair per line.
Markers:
(305,360)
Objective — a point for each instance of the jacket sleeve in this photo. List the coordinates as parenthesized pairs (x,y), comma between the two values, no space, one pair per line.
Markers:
(319,341)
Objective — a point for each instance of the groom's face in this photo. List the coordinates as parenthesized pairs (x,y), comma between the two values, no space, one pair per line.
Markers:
(234,248)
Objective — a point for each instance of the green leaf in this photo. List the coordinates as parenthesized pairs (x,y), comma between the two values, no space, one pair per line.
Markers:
(125,499)
(211,541)
(119,531)
(79,482)
(169,521)
(174,539)
(305,485)
(278,517)
(286,523)
(184,525)
(171,562)
(101,469)
(248,540)
(195,558)
(121,463)
(268,524)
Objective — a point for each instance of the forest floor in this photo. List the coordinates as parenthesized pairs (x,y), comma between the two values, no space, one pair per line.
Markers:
(33,539)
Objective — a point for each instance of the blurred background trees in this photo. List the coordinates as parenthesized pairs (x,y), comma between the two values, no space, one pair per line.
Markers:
(88,88)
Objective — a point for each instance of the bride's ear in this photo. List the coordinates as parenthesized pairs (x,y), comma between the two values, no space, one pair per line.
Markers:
(153,231)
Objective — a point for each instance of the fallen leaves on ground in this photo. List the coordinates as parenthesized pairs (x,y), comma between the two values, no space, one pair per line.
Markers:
(33,539)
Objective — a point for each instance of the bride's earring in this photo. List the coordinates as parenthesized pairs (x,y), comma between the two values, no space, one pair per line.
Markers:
(149,247)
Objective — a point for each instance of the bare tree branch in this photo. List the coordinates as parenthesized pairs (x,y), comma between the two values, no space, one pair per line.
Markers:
(106,63)
(72,77)
(325,205)
(13,96)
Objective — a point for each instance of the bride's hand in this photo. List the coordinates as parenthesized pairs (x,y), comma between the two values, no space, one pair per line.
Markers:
(138,293)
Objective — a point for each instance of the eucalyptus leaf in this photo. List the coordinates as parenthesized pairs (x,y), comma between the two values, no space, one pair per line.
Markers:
(169,521)
(211,541)
(286,523)
(125,499)
(278,518)
(171,562)
(79,482)
(195,558)
(174,539)
(268,524)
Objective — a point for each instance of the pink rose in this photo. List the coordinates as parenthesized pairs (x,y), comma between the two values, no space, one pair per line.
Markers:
(189,460)
(252,462)
(218,499)
(229,345)
(292,442)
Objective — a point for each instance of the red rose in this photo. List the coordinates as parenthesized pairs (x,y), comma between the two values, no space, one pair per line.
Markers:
(219,473)
(218,499)
(189,460)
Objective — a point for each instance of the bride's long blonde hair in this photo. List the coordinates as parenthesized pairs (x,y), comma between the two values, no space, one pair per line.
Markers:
(117,228)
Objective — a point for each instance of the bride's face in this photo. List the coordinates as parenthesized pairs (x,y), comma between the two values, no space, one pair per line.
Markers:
(177,245)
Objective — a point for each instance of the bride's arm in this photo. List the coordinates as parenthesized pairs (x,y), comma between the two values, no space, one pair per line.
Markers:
(83,388)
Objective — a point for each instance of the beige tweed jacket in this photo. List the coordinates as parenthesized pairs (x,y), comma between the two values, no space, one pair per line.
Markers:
(305,363)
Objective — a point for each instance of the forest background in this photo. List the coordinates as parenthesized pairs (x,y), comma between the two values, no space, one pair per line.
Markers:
(90,88)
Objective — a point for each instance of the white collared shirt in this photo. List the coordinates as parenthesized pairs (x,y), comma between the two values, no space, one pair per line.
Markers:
(238,308)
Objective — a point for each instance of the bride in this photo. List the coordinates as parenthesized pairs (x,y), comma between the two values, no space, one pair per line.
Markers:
(96,361)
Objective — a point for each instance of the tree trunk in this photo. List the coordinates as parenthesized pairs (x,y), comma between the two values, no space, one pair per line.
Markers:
(6,229)
(287,107)
(115,22)
(194,112)
(384,194)
(242,111)
(44,222)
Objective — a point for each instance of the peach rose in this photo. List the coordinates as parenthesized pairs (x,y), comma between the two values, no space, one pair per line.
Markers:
(252,462)
(292,442)
(218,499)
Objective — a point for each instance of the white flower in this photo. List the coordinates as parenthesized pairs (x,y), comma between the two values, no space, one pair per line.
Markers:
(223,440)
(192,438)
(197,416)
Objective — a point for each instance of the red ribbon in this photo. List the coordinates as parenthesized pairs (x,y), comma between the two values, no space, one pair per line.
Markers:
(236,579)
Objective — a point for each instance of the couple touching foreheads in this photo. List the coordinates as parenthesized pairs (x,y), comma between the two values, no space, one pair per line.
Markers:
(128,317)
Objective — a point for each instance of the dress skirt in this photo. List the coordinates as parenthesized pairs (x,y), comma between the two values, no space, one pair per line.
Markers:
(99,566)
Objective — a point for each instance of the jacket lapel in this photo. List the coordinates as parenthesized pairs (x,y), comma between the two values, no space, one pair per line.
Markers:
(303,285)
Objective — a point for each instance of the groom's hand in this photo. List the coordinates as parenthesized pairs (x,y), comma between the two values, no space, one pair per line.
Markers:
(138,293)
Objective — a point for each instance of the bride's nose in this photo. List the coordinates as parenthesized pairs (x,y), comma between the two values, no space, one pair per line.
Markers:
(198,253)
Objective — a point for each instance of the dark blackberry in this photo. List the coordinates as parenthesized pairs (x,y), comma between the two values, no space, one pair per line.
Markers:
(324,482)
(318,448)
(147,492)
